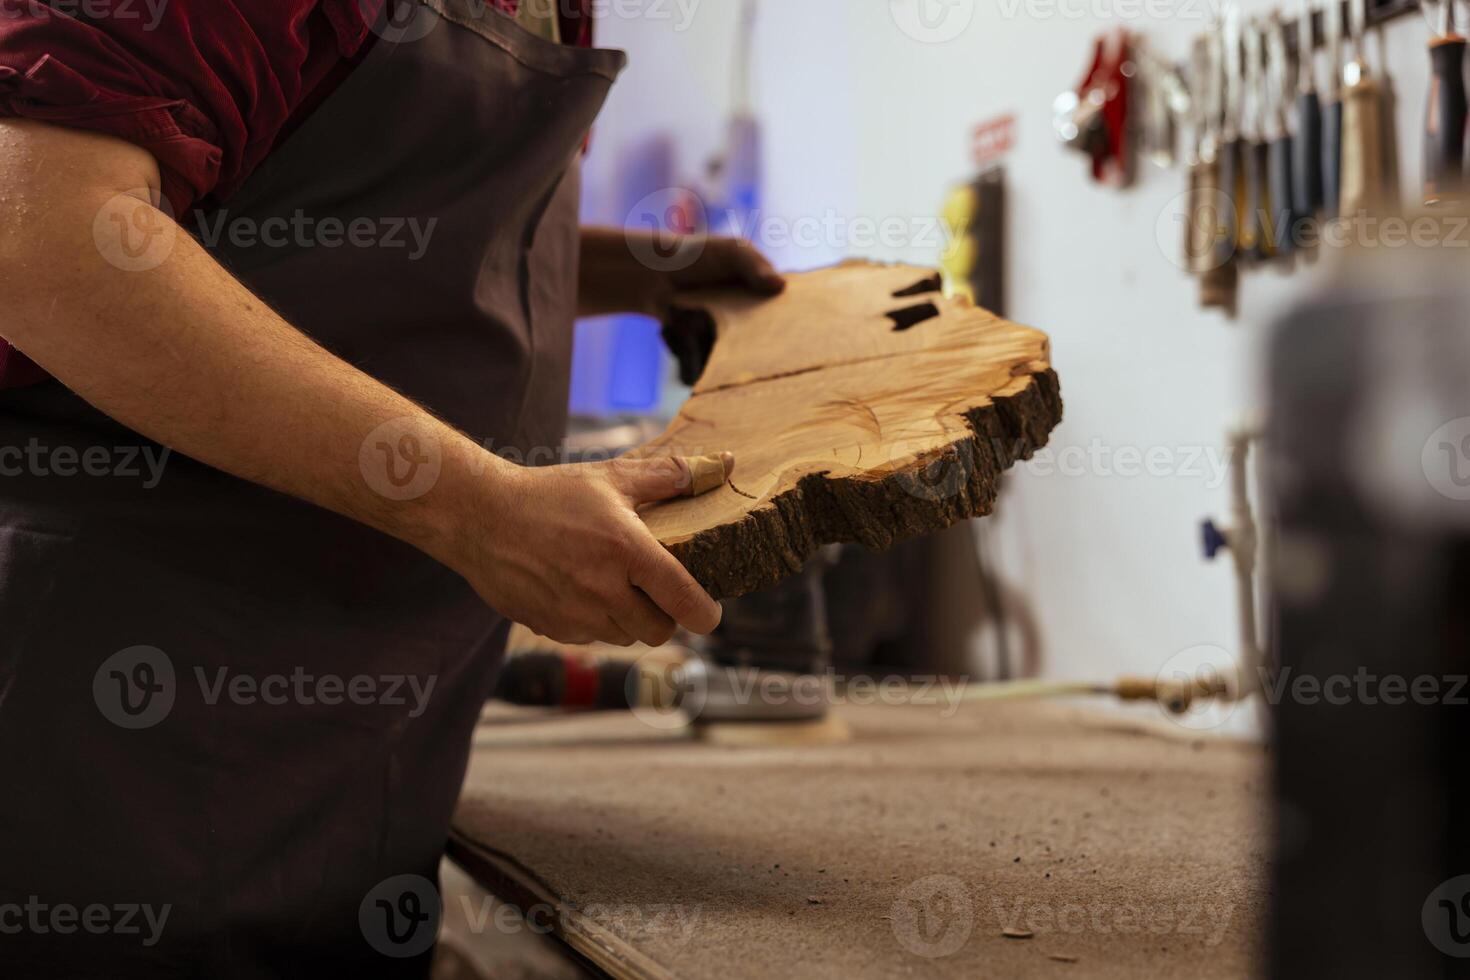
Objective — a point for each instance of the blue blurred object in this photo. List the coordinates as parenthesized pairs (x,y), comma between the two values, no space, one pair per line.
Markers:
(638,367)
(619,364)
(1213,539)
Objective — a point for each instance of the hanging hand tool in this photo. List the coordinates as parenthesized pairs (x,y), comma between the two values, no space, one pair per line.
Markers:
(1444,124)
(1199,221)
(1216,210)
(1307,160)
(1256,234)
(1362,126)
(1231,152)
(1096,119)
(1387,120)
(1332,111)
(1166,106)
(1283,214)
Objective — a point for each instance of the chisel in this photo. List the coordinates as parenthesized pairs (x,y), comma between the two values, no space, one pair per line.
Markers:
(1307,159)
(1332,111)
(1279,153)
(1444,123)
(1362,127)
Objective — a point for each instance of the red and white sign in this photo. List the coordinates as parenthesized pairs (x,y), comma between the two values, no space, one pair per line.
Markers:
(992,139)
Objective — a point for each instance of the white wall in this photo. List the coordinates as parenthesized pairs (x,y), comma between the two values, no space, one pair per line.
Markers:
(863,120)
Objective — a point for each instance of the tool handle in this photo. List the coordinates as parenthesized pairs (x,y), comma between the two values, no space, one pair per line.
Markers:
(1217,280)
(1283,214)
(1307,156)
(1362,149)
(1197,247)
(1232,184)
(1331,158)
(1444,123)
(1256,234)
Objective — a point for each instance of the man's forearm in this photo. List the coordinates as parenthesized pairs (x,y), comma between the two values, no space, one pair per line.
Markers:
(182,353)
(612,278)
(187,356)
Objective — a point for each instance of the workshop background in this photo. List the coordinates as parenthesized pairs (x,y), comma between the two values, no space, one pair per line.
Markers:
(1111,564)
(1325,843)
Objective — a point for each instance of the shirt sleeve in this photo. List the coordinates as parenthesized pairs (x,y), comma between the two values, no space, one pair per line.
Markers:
(206,86)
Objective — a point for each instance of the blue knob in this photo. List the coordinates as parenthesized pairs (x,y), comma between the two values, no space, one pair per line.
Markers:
(1214,540)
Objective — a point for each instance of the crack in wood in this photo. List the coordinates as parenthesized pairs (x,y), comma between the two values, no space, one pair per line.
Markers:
(911,316)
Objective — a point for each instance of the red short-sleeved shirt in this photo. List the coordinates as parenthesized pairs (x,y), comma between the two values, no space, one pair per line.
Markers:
(207,86)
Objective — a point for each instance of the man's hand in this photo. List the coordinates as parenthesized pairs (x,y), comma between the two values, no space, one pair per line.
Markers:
(615,280)
(561,550)
(728,262)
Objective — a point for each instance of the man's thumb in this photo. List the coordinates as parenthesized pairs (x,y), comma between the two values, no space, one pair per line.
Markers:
(666,477)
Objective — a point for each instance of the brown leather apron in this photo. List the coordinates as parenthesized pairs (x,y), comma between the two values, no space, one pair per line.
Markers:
(215,700)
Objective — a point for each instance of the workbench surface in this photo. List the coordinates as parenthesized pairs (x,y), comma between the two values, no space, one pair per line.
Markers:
(1125,848)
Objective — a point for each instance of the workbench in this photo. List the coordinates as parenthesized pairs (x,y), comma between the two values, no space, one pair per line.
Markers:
(1008,839)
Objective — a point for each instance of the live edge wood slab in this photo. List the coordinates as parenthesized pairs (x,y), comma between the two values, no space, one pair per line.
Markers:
(861,405)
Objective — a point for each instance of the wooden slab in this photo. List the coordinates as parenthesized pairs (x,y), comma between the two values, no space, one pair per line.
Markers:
(1126,849)
(861,405)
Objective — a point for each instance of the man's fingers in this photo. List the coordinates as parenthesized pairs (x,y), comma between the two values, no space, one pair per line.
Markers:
(758,273)
(613,634)
(646,481)
(674,590)
(603,630)
(642,620)
(706,473)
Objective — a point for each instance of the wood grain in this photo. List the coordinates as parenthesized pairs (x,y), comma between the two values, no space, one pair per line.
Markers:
(861,405)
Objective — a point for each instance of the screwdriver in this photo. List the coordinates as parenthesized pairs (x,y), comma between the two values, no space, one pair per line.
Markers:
(1444,123)
(1332,111)
(1362,126)
(1284,215)
(1307,159)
